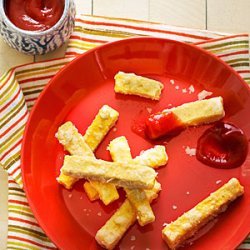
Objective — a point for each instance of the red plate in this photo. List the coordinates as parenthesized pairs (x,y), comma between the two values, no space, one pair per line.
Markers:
(77,93)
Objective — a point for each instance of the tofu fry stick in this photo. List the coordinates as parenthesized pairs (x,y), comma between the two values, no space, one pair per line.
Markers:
(90,191)
(74,143)
(121,174)
(190,222)
(120,152)
(103,122)
(110,234)
(132,84)
(107,191)
(153,157)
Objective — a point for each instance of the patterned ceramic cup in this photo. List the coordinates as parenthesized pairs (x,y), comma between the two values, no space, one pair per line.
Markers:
(38,42)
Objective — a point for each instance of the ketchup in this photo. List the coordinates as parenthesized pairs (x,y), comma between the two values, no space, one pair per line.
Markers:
(34,15)
(161,124)
(222,146)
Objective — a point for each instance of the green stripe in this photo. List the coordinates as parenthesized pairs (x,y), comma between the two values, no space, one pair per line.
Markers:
(39,68)
(38,91)
(17,211)
(225,50)
(5,75)
(19,179)
(29,231)
(21,244)
(16,194)
(9,162)
(13,112)
(34,86)
(12,139)
(105,33)
(16,189)
(14,248)
(225,44)
(238,60)
(234,65)
(7,92)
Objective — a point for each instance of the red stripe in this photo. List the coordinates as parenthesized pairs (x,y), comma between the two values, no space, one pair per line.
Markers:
(143,29)
(221,39)
(30,241)
(15,145)
(35,79)
(19,202)
(72,53)
(8,78)
(14,124)
(32,99)
(13,99)
(11,181)
(87,39)
(24,221)
(15,170)
(243,71)
(235,53)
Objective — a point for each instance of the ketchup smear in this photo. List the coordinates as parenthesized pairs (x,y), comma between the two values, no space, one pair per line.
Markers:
(222,146)
(161,124)
(34,15)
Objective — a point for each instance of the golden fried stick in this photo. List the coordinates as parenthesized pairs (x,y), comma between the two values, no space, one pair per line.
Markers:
(153,157)
(110,234)
(120,152)
(132,84)
(90,191)
(103,122)
(128,175)
(74,143)
(190,222)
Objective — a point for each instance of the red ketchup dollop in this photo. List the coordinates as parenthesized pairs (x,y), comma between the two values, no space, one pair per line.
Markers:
(222,146)
(34,15)
(162,124)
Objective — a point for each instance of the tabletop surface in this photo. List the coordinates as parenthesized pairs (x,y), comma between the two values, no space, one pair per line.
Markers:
(200,14)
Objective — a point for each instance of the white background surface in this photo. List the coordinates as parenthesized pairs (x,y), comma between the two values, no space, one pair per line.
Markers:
(218,15)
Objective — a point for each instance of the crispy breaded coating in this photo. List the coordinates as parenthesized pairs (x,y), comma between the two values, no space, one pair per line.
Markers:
(120,152)
(190,222)
(127,175)
(199,112)
(153,157)
(103,122)
(132,84)
(90,191)
(74,143)
(110,234)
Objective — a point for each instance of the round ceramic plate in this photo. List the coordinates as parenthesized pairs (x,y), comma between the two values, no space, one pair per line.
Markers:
(76,94)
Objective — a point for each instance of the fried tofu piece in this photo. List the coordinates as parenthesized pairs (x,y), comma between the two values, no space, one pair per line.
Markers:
(107,191)
(120,152)
(199,112)
(103,122)
(110,234)
(175,233)
(127,175)
(138,199)
(153,157)
(90,191)
(74,143)
(132,84)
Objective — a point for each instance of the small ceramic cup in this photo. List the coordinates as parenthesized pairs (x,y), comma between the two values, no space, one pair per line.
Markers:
(38,42)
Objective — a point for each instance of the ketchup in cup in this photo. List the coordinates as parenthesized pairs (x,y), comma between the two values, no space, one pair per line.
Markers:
(222,146)
(34,15)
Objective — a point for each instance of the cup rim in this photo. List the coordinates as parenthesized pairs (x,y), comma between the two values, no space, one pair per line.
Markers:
(33,33)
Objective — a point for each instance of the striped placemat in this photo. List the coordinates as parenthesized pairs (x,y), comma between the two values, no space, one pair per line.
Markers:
(20,87)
